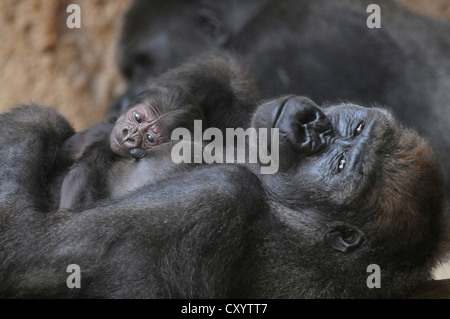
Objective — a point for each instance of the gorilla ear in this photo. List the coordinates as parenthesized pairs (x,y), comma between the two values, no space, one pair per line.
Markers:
(345,238)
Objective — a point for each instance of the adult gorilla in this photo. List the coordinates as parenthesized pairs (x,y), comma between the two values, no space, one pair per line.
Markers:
(354,189)
(322,48)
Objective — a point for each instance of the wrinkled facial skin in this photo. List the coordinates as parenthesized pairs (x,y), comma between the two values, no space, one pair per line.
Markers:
(327,156)
(151,118)
(138,128)
(367,180)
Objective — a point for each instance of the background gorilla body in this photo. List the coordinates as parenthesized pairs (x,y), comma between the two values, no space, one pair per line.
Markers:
(321,49)
(226,92)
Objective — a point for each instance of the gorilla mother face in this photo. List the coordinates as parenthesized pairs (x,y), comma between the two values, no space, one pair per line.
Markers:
(354,165)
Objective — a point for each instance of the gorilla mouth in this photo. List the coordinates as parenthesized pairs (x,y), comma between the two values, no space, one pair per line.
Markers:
(306,129)
(117,147)
(304,124)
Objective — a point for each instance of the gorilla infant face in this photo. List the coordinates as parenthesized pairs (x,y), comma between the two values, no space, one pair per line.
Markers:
(151,118)
(353,164)
(137,128)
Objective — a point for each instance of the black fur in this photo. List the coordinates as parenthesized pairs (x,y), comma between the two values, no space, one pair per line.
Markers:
(143,245)
(213,87)
(321,49)
(222,231)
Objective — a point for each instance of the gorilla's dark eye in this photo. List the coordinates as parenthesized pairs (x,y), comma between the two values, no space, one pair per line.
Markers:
(349,236)
(138,117)
(150,138)
(342,163)
(359,128)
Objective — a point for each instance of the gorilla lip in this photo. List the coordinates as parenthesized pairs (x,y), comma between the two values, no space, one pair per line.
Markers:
(280,109)
(116,146)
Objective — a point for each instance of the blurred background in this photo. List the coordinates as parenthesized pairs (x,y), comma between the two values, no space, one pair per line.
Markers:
(74,70)
(43,61)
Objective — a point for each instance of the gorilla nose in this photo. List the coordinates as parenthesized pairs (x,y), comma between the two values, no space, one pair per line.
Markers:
(129,139)
(305,125)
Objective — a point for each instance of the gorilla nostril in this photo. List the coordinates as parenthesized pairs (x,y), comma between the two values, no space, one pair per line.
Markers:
(128,138)
(301,132)
(308,116)
(302,110)
(305,125)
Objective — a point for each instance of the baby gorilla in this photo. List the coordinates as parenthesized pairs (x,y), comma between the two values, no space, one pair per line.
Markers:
(214,88)
(98,150)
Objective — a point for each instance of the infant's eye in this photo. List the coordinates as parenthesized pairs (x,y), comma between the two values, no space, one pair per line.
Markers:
(138,117)
(150,138)
(342,163)
(359,128)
